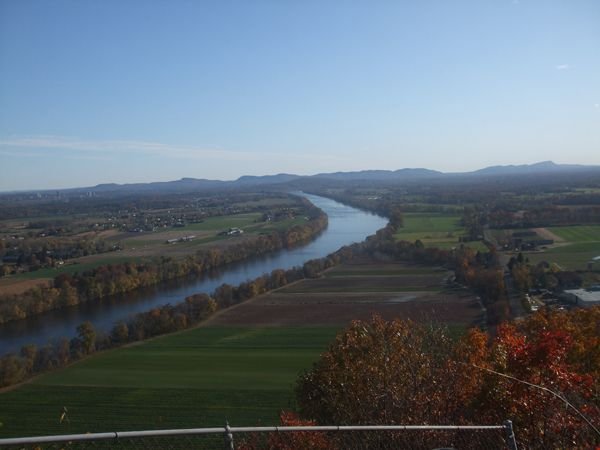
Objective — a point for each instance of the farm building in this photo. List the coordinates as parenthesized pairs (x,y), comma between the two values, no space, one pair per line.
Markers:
(583,297)
(181,239)
(231,232)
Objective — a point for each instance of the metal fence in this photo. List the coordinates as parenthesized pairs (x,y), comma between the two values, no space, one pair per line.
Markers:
(286,438)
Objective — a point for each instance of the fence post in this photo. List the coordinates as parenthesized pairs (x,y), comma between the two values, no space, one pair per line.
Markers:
(510,435)
(228,437)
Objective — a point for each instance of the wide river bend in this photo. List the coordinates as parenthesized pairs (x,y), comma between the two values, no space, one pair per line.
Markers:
(347,225)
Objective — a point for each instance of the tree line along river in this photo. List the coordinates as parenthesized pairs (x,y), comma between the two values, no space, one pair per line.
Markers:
(347,225)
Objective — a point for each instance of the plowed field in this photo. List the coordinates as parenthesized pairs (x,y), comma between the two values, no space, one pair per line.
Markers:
(337,300)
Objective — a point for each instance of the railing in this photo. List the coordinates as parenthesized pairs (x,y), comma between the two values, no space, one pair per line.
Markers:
(295,437)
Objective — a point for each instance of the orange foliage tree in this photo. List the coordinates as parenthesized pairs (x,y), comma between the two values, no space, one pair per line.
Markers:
(400,372)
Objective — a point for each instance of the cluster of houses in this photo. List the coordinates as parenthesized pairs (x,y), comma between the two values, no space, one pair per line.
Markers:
(526,241)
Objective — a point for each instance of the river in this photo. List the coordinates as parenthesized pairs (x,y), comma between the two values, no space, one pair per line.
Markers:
(347,225)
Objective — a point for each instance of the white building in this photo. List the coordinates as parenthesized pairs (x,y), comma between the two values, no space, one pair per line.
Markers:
(583,297)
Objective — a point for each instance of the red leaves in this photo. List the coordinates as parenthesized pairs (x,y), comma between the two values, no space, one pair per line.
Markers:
(288,440)
(382,372)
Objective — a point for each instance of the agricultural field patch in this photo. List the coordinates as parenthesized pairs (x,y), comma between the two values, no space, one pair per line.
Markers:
(381,269)
(580,244)
(416,292)
(369,283)
(570,257)
(10,286)
(223,222)
(434,230)
(199,377)
(280,309)
(580,233)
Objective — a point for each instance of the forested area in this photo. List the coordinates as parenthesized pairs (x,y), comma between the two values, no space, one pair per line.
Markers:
(35,253)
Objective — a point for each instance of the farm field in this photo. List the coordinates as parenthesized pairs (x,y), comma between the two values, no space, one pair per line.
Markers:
(200,377)
(239,366)
(581,233)
(337,300)
(434,230)
(11,286)
(569,257)
(582,243)
(366,283)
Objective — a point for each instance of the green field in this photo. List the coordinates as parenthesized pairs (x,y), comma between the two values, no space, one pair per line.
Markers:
(583,245)
(196,378)
(434,230)
(223,222)
(581,233)
(572,257)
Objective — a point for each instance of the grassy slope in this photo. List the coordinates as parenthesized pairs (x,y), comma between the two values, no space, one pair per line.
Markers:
(195,378)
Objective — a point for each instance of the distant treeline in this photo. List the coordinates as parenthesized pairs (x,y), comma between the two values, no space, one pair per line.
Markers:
(112,279)
(27,205)
(36,253)
(545,216)
(476,270)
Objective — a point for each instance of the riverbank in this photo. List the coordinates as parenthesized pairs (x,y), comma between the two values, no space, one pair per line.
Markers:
(346,225)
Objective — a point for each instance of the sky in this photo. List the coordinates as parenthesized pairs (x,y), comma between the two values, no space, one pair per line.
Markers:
(134,91)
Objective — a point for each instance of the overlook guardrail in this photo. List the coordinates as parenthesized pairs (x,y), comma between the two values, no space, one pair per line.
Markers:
(288,437)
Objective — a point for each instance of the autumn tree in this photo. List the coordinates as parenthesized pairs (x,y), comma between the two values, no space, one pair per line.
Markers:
(534,379)
(305,440)
(87,335)
(542,373)
(382,372)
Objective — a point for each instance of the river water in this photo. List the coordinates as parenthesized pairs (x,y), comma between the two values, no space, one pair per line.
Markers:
(347,225)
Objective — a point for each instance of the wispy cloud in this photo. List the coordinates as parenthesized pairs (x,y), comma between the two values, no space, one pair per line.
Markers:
(562,67)
(106,148)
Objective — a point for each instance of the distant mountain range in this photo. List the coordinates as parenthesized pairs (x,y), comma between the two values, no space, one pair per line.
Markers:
(191,184)
(540,167)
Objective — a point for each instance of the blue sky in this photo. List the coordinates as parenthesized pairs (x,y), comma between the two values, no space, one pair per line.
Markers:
(132,91)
